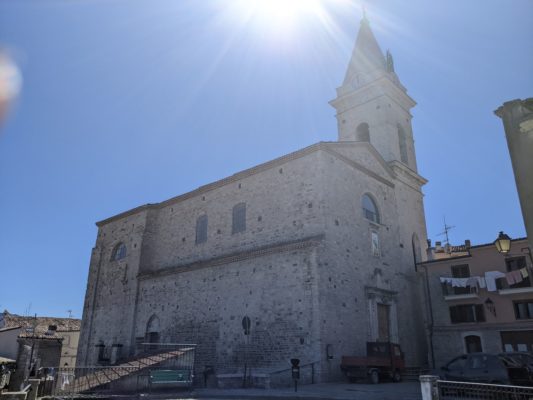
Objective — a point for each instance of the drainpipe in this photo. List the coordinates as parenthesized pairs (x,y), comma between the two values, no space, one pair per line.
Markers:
(431,321)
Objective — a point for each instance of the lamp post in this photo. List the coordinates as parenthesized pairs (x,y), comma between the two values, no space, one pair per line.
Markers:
(503,245)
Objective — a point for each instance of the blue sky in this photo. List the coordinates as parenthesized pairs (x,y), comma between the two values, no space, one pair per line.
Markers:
(131,102)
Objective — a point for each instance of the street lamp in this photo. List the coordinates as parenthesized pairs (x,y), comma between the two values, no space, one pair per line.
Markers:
(503,243)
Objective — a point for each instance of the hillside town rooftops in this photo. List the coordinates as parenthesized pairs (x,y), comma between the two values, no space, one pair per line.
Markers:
(38,327)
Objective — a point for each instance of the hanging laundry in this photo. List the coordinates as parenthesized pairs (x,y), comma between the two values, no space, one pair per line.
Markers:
(517,276)
(481,282)
(472,281)
(490,279)
(524,273)
(459,282)
(509,277)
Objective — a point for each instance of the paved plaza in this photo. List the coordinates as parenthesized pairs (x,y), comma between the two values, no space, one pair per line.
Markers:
(333,391)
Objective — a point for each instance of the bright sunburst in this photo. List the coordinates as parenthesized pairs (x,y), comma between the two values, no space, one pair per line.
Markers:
(282,15)
(285,11)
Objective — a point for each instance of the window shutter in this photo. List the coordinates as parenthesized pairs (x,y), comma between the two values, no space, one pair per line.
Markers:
(480,313)
(453,314)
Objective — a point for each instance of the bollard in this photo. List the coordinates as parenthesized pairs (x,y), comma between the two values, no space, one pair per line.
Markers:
(428,386)
(208,370)
(295,372)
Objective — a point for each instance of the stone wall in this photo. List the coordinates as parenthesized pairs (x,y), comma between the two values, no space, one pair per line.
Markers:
(280,207)
(353,280)
(206,306)
(301,270)
(108,313)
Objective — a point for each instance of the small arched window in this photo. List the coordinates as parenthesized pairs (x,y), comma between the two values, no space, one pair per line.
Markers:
(239,218)
(152,331)
(370,209)
(362,133)
(201,229)
(402,140)
(119,252)
(473,344)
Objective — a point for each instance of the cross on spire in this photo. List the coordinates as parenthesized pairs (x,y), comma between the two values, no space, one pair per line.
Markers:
(365,19)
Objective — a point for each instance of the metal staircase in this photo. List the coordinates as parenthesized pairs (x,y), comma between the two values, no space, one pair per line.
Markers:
(90,379)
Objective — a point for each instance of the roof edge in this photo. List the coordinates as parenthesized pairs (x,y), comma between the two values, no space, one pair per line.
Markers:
(244,174)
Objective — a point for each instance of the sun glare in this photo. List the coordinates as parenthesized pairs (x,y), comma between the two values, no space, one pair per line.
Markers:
(282,14)
(285,10)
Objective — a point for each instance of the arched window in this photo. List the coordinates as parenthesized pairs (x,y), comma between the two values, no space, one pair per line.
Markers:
(362,133)
(239,218)
(119,252)
(402,140)
(201,229)
(152,330)
(370,209)
(473,344)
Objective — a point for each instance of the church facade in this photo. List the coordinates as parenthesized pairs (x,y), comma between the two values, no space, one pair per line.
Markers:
(317,248)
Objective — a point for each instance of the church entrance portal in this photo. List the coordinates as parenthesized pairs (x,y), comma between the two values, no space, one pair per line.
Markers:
(383,323)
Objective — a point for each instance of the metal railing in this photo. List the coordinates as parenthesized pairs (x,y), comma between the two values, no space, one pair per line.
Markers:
(467,390)
(412,373)
(433,388)
(131,375)
(307,373)
(68,381)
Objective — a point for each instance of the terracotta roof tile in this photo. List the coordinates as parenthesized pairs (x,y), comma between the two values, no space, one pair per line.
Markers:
(27,324)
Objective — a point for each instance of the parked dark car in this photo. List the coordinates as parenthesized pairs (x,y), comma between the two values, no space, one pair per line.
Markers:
(523,358)
(486,368)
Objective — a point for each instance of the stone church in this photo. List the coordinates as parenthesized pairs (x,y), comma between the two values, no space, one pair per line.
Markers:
(317,248)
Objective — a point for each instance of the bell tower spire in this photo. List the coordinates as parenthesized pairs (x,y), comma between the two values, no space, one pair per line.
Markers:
(372,105)
(367,56)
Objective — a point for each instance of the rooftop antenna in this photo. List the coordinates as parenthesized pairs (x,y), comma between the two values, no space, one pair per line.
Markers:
(447,228)
(27,310)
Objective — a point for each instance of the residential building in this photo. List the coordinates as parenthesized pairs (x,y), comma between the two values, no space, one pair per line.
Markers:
(478,299)
(36,342)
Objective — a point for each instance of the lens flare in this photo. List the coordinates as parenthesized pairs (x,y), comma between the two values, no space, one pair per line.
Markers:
(280,15)
(285,11)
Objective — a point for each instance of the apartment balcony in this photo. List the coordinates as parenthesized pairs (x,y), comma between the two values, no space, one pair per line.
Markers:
(506,289)
(459,293)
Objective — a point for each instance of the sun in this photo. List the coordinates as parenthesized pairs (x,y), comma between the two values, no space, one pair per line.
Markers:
(285,10)
(281,14)
(283,25)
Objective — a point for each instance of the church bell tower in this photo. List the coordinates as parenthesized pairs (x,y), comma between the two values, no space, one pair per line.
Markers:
(372,105)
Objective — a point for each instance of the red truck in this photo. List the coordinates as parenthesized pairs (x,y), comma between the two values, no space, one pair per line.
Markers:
(383,360)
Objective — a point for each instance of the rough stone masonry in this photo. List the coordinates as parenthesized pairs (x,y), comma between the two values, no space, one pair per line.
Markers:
(317,248)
